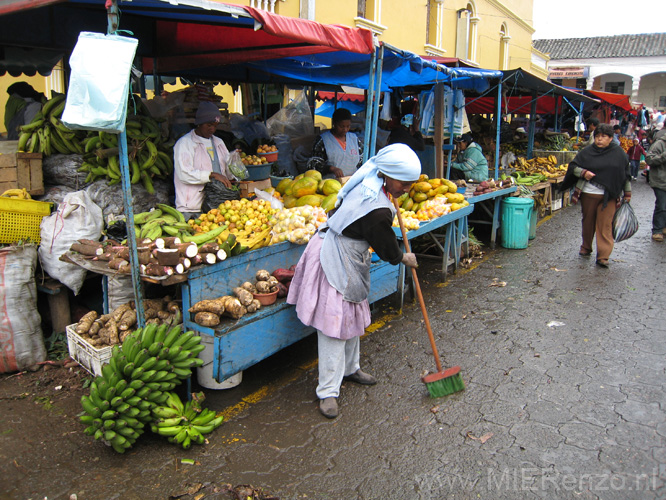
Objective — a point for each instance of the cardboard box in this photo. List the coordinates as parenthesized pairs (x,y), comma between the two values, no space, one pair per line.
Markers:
(247,187)
(20,170)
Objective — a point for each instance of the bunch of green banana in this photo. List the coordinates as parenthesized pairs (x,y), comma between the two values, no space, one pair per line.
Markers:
(150,362)
(46,134)
(149,154)
(163,220)
(184,424)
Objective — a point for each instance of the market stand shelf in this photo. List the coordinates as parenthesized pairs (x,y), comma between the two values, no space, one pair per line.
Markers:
(239,344)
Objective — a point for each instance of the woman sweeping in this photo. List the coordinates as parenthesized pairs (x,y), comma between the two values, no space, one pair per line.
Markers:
(332,280)
(601,174)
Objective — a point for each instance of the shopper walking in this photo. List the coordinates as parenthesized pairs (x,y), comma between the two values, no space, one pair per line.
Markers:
(332,279)
(600,173)
(635,152)
(656,159)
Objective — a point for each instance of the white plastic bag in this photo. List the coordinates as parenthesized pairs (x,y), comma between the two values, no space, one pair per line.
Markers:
(21,339)
(625,222)
(99,84)
(77,217)
(263,195)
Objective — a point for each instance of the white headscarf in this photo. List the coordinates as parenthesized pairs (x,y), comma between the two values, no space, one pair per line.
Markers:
(397,161)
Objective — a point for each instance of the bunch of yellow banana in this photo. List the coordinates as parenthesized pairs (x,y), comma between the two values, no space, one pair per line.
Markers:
(546,166)
(184,424)
(254,240)
(19,194)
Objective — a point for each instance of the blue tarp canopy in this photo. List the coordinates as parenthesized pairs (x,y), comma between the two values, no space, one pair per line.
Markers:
(328,107)
(339,68)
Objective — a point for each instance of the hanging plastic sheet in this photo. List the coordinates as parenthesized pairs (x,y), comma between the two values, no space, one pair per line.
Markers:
(99,85)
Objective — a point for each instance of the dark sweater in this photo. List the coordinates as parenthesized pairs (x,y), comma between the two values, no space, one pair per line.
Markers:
(375,228)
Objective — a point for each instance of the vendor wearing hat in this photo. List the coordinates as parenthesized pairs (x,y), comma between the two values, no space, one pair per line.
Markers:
(199,157)
(470,163)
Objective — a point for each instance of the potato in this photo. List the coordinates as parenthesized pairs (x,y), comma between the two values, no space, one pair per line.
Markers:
(263,287)
(243,295)
(272,281)
(249,287)
(206,319)
(262,275)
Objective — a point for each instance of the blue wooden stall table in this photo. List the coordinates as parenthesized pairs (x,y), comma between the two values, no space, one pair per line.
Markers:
(239,344)
(490,203)
(451,227)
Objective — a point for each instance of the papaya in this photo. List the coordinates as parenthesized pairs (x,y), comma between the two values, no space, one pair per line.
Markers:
(452,187)
(282,186)
(313,200)
(304,186)
(422,178)
(455,197)
(328,203)
(289,201)
(419,197)
(407,204)
(431,193)
(315,174)
(412,192)
(330,186)
(422,187)
(299,176)
(320,186)
(435,183)
(443,189)
(455,206)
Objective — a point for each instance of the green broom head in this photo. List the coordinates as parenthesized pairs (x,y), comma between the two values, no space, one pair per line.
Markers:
(444,383)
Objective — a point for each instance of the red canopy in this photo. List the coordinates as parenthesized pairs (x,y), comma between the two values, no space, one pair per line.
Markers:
(516,104)
(619,100)
(341,96)
(183,45)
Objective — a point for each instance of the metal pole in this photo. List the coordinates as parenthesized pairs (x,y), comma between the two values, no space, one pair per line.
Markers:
(499,123)
(452,113)
(580,120)
(530,138)
(557,113)
(112,14)
(368,106)
(129,221)
(375,112)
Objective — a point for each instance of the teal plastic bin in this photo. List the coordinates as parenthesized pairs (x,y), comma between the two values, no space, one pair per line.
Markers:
(533,222)
(516,213)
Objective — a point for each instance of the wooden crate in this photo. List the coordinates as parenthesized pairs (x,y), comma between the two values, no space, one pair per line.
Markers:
(247,187)
(20,170)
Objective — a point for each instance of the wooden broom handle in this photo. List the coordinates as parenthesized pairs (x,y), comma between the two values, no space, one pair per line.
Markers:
(417,287)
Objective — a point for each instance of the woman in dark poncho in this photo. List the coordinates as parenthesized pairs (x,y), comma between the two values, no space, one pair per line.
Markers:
(601,175)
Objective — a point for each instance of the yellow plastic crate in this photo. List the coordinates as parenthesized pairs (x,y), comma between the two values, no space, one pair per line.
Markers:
(20,219)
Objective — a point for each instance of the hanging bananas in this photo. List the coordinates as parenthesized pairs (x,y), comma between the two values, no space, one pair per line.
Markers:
(184,424)
(149,154)
(150,362)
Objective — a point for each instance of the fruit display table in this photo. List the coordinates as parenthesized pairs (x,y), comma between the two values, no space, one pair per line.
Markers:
(490,203)
(239,344)
(452,228)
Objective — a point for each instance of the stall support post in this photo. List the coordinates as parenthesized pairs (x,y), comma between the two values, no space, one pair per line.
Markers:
(368,106)
(499,126)
(129,222)
(452,123)
(530,139)
(375,112)
(439,130)
(558,116)
(580,120)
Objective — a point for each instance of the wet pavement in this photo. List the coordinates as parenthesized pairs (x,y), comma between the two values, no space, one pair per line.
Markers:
(563,363)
